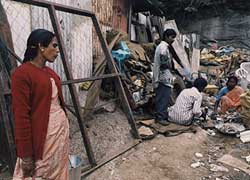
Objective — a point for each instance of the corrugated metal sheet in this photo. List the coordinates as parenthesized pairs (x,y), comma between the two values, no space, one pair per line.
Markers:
(120,14)
(111,14)
(103,10)
(19,19)
(97,49)
(76,31)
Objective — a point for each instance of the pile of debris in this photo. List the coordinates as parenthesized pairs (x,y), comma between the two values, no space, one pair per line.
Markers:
(223,61)
(136,67)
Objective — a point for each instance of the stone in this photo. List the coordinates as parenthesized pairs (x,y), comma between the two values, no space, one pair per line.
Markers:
(245,136)
(198,155)
(216,168)
(145,131)
(197,164)
(248,159)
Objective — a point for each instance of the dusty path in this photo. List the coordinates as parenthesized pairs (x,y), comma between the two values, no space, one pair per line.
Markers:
(170,158)
(163,158)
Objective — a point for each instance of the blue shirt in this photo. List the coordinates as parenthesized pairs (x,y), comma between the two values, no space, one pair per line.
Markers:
(221,93)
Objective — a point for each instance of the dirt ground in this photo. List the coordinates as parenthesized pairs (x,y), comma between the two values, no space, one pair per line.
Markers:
(162,158)
(170,158)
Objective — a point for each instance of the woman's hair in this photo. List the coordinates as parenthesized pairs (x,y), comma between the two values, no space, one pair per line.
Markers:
(232,77)
(36,37)
(200,83)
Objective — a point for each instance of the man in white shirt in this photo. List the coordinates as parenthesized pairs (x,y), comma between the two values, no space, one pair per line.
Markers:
(162,76)
(188,104)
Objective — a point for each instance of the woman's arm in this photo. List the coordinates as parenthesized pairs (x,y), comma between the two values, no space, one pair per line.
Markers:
(221,93)
(21,101)
(216,105)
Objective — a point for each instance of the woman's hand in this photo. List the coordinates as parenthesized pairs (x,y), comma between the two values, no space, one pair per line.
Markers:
(28,166)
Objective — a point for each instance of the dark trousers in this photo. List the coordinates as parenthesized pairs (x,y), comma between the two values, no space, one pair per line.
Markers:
(162,100)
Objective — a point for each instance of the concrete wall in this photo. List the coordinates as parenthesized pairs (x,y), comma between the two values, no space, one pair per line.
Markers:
(230,29)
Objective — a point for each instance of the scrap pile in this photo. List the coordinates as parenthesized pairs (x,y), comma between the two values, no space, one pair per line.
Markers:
(134,57)
(223,61)
(218,64)
(132,61)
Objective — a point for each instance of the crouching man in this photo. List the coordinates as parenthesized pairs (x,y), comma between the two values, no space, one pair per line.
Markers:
(188,104)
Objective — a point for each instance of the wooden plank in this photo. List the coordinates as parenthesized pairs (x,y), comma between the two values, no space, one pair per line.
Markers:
(7,120)
(7,64)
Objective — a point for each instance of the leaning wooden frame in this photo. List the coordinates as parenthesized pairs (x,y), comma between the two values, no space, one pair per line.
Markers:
(52,8)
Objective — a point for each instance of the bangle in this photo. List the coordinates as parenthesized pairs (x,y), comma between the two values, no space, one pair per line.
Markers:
(27,161)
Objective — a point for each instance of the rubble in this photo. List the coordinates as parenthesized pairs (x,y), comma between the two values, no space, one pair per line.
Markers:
(211,132)
(245,136)
(197,164)
(248,159)
(198,155)
(230,128)
(234,162)
(216,168)
(145,131)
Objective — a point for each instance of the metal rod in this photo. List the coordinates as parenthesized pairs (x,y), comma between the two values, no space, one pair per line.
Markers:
(129,19)
(15,55)
(85,168)
(59,7)
(71,110)
(90,79)
(84,174)
(118,82)
(72,88)
(97,107)
(11,52)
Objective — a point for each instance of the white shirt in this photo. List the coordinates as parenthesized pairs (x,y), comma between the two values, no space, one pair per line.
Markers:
(188,105)
(164,76)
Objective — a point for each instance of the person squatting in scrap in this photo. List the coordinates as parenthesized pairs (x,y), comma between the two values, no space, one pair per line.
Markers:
(41,125)
(163,77)
(229,96)
(188,104)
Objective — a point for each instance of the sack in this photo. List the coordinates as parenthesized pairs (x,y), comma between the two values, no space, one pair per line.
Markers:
(245,100)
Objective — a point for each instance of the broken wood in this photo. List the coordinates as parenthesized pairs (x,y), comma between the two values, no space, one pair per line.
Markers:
(7,64)
(94,90)
(7,151)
